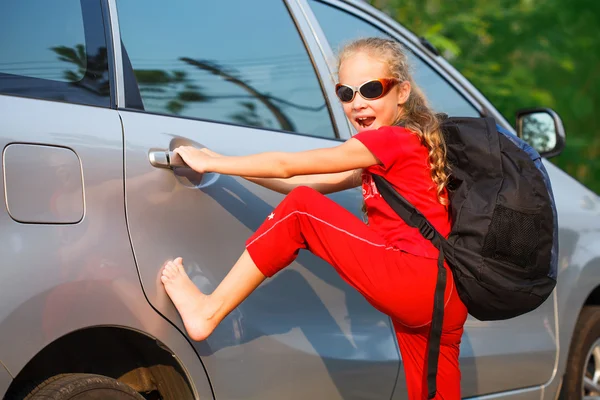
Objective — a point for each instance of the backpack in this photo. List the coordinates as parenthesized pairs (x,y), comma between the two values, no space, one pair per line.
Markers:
(503,245)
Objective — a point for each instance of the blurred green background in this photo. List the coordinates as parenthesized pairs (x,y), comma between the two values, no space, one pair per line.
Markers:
(523,53)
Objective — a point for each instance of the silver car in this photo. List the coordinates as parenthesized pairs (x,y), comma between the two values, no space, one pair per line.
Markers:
(94,94)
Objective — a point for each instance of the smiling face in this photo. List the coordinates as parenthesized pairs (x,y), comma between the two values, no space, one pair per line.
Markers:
(366,114)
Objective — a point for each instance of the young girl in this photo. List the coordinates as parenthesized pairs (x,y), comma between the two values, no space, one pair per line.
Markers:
(389,263)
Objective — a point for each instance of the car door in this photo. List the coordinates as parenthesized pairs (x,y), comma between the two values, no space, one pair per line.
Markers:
(495,356)
(236,76)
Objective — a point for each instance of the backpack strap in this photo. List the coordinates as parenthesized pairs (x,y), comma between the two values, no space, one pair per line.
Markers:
(415,219)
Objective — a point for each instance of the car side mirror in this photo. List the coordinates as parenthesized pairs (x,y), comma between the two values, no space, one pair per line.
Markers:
(543,129)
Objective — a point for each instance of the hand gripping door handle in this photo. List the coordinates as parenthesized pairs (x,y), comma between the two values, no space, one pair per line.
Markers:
(165,159)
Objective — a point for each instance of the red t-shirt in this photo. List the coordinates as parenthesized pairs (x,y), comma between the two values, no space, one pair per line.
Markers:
(404,164)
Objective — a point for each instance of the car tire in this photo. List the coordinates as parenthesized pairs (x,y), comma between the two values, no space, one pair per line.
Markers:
(82,387)
(584,357)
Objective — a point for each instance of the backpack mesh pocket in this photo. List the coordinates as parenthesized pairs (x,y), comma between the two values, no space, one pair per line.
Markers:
(512,237)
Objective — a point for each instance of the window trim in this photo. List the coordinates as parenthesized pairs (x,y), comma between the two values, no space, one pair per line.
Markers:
(111,52)
(117,59)
(310,36)
(89,31)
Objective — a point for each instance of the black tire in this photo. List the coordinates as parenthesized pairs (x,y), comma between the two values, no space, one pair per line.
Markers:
(585,337)
(82,387)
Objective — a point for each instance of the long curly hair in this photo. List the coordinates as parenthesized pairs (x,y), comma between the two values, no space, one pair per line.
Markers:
(416,116)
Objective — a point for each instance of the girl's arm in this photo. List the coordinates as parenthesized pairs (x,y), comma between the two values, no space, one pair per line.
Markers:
(350,155)
(323,183)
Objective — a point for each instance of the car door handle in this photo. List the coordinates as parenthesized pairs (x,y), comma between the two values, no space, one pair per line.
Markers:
(165,159)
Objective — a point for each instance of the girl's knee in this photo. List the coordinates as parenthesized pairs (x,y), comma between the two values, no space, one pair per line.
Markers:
(302,195)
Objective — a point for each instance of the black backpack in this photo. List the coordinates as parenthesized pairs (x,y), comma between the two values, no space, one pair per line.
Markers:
(503,245)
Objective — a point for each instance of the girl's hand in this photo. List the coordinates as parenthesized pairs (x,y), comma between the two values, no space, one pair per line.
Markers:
(210,152)
(196,159)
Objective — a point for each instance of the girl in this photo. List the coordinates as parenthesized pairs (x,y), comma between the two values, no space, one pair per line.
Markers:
(389,263)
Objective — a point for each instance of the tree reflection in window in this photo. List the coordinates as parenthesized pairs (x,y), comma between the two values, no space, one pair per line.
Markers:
(234,69)
(92,71)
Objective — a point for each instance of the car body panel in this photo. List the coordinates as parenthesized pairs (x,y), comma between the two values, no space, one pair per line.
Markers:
(520,394)
(64,254)
(79,275)
(5,379)
(579,258)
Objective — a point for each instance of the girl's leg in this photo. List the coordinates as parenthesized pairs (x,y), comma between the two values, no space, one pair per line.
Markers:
(202,313)
(413,348)
(305,219)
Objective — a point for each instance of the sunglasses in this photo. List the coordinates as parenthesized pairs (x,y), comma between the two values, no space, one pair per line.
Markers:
(369,90)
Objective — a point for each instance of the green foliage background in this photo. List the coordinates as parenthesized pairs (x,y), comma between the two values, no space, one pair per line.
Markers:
(523,53)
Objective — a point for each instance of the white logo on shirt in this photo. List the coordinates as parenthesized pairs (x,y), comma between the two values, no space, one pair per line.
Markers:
(369,188)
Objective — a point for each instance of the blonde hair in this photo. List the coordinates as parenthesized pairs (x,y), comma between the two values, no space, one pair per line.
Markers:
(417,116)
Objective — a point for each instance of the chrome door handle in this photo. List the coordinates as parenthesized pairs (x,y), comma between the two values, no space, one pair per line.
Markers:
(165,159)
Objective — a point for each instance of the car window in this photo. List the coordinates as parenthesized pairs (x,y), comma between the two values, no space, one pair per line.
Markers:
(341,27)
(54,51)
(240,62)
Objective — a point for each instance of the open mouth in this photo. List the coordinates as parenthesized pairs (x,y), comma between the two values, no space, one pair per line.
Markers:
(365,122)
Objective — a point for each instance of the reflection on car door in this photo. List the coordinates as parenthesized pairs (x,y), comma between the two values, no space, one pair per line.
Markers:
(305,333)
(495,356)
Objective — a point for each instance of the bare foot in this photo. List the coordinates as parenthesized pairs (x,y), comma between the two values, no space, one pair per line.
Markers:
(195,308)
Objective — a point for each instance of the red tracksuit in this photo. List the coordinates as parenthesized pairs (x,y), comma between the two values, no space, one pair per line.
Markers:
(389,263)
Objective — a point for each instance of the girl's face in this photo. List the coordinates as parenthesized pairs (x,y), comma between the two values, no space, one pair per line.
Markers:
(371,114)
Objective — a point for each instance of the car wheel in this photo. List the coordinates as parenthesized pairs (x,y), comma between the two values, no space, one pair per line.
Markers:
(83,387)
(582,379)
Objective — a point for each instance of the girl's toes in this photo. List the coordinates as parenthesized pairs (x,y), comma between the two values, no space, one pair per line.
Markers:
(180,269)
(171,270)
(178,265)
(168,272)
(171,267)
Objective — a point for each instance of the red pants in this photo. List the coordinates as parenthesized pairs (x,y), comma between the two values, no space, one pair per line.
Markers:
(396,283)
